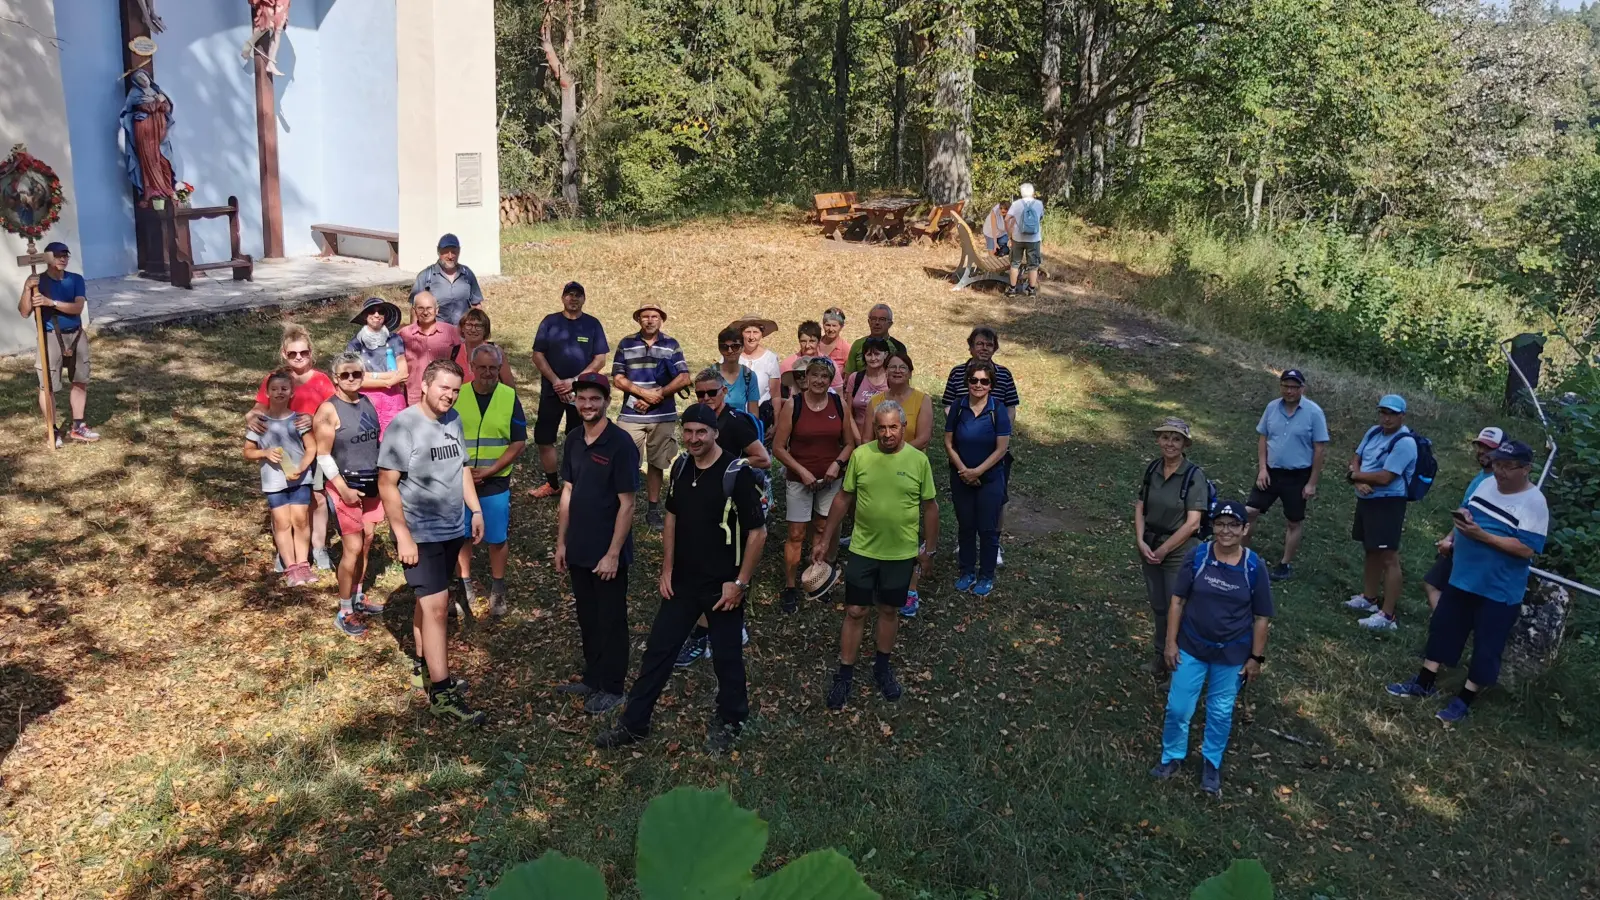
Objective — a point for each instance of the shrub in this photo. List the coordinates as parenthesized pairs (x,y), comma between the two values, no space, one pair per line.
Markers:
(1573,492)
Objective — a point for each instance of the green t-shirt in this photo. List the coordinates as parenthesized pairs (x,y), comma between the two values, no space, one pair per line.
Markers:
(889,490)
(1164,508)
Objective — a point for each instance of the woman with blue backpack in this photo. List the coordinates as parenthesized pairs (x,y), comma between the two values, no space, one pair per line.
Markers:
(1168,515)
(1217,623)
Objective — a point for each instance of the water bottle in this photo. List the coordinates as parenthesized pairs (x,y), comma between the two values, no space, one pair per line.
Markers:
(389,359)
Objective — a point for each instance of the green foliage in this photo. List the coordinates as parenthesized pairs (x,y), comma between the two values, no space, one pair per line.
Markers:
(1244,880)
(1573,491)
(693,845)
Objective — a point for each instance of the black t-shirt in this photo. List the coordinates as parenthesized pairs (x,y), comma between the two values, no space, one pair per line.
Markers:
(735,432)
(705,556)
(499,484)
(598,473)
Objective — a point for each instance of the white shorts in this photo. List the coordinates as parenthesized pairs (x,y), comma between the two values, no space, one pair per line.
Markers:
(802,504)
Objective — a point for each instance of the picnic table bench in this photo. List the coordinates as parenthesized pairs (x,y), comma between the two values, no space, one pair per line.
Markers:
(938,224)
(836,212)
(180,247)
(330,235)
(883,214)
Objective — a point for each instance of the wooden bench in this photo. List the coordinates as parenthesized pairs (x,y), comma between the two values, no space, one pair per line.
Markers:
(977,263)
(180,248)
(835,212)
(938,224)
(330,235)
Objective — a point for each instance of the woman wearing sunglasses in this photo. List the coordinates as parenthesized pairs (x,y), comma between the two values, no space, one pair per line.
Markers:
(311,389)
(977,436)
(744,391)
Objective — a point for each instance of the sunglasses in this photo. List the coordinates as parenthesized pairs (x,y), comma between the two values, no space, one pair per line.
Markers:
(732,345)
(297,354)
(706,395)
(348,375)
(983,381)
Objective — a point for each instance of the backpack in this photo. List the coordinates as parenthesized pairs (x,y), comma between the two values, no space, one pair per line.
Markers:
(1423,473)
(1212,497)
(1249,560)
(1032,213)
(794,405)
(761,427)
(730,477)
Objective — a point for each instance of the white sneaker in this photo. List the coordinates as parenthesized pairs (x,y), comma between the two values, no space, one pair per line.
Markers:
(1361,603)
(1379,622)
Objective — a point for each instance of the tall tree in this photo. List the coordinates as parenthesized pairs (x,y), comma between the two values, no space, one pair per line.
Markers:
(843,168)
(561,67)
(950,44)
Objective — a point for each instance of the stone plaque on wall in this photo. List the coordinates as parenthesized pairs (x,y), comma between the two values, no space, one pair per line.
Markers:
(469,179)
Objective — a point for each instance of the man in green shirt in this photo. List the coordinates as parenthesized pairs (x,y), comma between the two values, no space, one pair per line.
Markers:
(889,484)
(879,320)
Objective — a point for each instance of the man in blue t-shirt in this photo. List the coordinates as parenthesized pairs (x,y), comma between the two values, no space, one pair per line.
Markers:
(1025,224)
(1438,577)
(649,370)
(569,343)
(1499,529)
(1289,454)
(59,296)
(1380,469)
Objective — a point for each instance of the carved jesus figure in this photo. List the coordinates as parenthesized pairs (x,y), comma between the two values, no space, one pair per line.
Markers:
(267,17)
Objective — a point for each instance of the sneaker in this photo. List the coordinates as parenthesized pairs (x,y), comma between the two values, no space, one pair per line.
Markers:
(575,688)
(277,565)
(601,702)
(299,574)
(319,557)
(81,432)
(419,677)
(367,607)
(497,604)
(1379,622)
(618,737)
(1456,710)
(1011,290)
(350,625)
(1411,687)
(1211,780)
(1284,572)
(913,605)
(789,601)
(839,692)
(1166,770)
(834,571)
(655,519)
(844,542)
(965,583)
(449,704)
(984,587)
(1031,291)
(887,684)
(1360,603)
(720,737)
(544,492)
(60,434)
(693,649)
(999,557)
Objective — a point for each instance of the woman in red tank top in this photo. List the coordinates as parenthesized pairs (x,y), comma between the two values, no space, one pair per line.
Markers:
(813,443)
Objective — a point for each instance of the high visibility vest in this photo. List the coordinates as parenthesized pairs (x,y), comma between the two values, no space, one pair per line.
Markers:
(488,434)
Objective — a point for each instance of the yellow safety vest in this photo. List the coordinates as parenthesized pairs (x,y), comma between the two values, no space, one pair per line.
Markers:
(487,434)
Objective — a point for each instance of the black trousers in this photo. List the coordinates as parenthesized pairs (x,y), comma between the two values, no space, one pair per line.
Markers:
(674,623)
(603,622)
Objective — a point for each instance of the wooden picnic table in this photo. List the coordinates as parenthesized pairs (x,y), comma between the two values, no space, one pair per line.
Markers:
(884,213)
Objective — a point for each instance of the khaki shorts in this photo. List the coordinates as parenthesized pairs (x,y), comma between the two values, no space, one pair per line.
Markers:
(657,442)
(802,504)
(77,344)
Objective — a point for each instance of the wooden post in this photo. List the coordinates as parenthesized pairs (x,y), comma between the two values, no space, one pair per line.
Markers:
(49,409)
(267,150)
(146,226)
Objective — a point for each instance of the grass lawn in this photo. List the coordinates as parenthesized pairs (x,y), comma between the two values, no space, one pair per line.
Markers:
(175,724)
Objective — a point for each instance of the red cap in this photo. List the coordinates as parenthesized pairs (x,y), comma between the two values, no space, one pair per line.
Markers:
(595,379)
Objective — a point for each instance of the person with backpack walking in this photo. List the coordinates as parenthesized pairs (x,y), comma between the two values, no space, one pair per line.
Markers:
(1290,449)
(715,531)
(1217,624)
(1382,468)
(813,443)
(1025,224)
(977,437)
(1174,499)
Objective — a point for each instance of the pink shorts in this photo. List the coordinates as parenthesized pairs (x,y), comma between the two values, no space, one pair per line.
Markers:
(353,519)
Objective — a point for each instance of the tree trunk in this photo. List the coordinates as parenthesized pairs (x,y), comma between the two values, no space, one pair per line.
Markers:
(948,142)
(569,102)
(1255,200)
(1050,63)
(843,170)
(899,103)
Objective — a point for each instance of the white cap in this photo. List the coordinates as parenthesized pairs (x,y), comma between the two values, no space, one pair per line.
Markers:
(1490,437)
(1026,191)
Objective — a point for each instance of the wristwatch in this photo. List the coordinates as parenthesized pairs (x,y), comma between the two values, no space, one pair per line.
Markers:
(741,585)
(1260,660)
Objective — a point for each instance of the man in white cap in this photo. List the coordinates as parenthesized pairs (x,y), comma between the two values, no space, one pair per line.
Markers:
(1025,223)
(1381,468)
(1438,577)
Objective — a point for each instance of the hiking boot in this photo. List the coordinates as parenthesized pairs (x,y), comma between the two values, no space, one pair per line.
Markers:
(693,649)
(602,702)
(913,605)
(544,492)
(419,677)
(1455,711)
(1411,687)
(789,602)
(619,737)
(1283,572)
(965,582)
(351,625)
(984,587)
(1166,770)
(720,737)
(449,704)
(1379,622)
(885,678)
(1211,780)
(497,603)
(575,688)
(81,432)
(655,519)
(1360,603)
(319,557)
(839,692)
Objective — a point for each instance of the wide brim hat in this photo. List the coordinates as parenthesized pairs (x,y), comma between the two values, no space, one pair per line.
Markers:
(391,313)
(767,326)
(651,306)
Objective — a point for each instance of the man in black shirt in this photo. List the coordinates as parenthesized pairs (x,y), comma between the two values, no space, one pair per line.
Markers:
(594,540)
(710,549)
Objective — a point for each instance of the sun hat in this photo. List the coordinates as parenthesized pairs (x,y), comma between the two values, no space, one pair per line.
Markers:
(651,306)
(1490,437)
(819,578)
(767,326)
(1175,426)
(391,313)
(1393,403)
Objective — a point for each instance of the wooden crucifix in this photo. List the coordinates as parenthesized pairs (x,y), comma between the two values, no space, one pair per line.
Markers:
(268,18)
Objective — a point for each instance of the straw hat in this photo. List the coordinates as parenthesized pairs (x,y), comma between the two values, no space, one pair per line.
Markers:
(815,576)
(767,326)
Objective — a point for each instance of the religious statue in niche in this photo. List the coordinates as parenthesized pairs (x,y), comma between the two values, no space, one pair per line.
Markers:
(268,18)
(146,121)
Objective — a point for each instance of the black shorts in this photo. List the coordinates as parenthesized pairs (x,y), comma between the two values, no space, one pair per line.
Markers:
(1379,521)
(551,412)
(870,581)
(436,566)
(1285,485)
(1439,573)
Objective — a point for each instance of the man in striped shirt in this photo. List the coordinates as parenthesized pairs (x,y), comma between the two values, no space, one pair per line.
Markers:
(649,368)
(983,343)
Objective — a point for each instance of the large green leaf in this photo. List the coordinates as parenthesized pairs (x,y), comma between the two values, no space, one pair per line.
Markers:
(1244,880)
(819,875)
(551,877)
(697,845)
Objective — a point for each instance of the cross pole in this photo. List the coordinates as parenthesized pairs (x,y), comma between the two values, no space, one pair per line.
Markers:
(267,151)
(32,260)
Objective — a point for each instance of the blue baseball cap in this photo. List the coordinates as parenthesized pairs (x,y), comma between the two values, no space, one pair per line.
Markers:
(1231,508)
(1513,451)
(1293,375)
(1393,403)
(56,247)
(449,242)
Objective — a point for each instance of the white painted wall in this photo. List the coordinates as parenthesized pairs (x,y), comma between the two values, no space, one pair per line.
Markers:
(31,104)
(446,106)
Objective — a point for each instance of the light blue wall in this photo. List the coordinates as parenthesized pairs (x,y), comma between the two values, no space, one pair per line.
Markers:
(336,105)
(91,73)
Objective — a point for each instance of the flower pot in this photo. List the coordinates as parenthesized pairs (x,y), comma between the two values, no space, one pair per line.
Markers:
(158,203)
